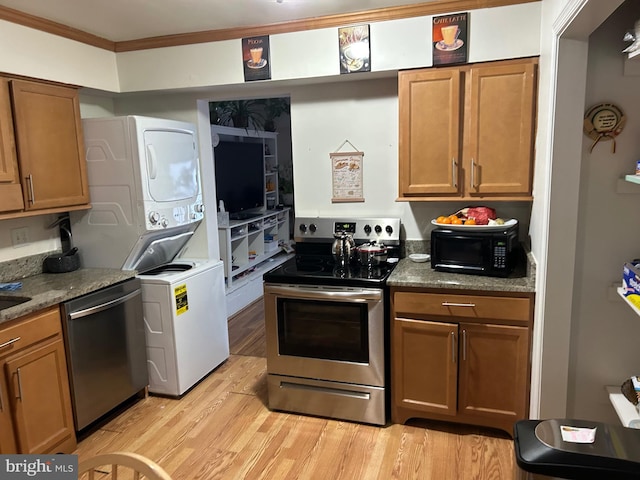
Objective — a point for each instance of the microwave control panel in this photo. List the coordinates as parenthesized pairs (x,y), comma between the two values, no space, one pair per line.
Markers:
(500,255)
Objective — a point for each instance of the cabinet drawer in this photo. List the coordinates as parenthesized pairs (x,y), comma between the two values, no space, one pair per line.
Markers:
(516,309)
(29,330)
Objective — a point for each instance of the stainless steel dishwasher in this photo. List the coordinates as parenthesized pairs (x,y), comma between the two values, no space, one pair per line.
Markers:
(106,352)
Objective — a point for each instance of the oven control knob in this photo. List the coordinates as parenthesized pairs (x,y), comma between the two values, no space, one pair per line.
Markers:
(378,229)
(154,217)
(199,208)
(312,227)
(303,227)
(389,229)
(164,222)
(367,229)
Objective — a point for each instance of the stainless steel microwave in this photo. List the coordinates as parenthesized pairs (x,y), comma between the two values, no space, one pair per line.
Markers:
(485,252)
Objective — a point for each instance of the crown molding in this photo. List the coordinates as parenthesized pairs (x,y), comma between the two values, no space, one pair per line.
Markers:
(434,7)
(38,23)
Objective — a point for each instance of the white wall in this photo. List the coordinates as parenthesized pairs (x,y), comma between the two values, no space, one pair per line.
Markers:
(33,53)
(215,70)
(323,116)
(313,54)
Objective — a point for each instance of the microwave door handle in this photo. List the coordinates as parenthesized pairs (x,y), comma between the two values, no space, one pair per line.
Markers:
(152,164)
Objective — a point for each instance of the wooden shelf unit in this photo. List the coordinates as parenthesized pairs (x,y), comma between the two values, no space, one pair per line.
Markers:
(249,248)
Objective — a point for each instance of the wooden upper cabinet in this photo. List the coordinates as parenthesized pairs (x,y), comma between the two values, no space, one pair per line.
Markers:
(10,189)
(466,132)
(430,115)
(48,132)
(499,129)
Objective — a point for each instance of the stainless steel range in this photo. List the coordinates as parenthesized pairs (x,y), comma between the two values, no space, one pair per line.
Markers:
(327,323)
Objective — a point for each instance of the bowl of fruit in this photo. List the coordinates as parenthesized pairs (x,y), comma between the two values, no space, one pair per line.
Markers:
(476,218)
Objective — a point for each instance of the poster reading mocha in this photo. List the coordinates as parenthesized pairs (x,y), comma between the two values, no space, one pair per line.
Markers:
(450,39)
(255,58)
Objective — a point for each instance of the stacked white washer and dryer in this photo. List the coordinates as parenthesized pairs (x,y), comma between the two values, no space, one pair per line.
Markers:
(146,197)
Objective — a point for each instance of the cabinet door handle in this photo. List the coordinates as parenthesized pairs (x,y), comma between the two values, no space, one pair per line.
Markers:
(454,172)
(473,173)
(32,195)
(453,347)
(1,401)
(464,345)
(19,397)
(13,340)
(453,304)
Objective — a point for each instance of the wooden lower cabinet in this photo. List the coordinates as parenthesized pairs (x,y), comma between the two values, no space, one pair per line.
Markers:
(7,438)
(36,412)
(457,367)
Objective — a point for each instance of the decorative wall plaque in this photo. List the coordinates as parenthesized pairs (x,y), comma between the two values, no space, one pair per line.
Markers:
(603,121)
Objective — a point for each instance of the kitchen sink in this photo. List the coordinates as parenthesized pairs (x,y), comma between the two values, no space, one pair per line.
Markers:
(8,302)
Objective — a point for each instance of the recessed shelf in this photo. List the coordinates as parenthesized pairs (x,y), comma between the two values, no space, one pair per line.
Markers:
(627,412)
(632,178)
(633,307)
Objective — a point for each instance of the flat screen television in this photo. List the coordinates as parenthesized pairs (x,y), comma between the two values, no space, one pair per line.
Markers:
(239,170)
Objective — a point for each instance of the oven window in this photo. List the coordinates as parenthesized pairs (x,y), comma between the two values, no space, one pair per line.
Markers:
(324,330)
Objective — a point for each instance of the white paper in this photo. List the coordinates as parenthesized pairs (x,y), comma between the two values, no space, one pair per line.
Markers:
(578,435)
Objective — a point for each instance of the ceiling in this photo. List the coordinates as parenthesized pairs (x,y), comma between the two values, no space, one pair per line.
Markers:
(123,20)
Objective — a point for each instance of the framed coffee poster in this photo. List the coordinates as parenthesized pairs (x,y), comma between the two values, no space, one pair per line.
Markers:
(450,39)
(255,58)
(355,51)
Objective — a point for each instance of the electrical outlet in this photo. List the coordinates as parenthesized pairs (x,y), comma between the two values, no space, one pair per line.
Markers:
(19,236)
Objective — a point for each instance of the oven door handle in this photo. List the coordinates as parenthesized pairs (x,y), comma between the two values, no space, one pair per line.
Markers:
(314,293)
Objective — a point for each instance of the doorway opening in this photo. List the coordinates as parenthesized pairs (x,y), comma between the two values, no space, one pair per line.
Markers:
(268,114)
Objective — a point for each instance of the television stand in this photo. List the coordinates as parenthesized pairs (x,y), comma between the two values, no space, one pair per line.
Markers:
(249,248)
(244,215)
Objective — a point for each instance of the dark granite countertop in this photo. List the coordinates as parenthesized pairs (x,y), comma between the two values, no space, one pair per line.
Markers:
(46,289)
(411,274)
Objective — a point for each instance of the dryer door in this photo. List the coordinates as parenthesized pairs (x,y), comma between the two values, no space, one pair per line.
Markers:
(172,164)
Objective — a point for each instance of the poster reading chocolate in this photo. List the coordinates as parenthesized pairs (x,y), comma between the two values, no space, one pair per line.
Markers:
(450,39)
(255,58)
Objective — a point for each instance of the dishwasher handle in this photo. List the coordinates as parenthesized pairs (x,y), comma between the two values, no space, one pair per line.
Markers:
(104,306)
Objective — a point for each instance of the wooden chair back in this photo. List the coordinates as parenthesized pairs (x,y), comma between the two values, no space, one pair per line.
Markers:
(137,467)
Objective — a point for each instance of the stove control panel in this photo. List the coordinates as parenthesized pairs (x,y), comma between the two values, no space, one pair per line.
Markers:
(321,229)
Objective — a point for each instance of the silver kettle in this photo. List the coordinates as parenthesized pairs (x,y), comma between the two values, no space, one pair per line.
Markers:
(343,248)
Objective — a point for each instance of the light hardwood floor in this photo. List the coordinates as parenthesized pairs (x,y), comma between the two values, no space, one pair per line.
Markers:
(222,429)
